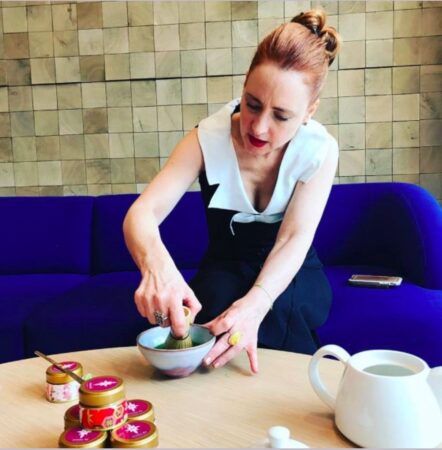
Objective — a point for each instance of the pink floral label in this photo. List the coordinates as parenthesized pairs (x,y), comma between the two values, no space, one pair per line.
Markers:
(137,407)
(62,392)
(134,430)
(101,383)
(79,435)
(70,365)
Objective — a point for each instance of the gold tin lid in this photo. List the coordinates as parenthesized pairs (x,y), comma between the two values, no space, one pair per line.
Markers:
(78,437)
(56,376)
(101,391)
(135,434)
(140,410)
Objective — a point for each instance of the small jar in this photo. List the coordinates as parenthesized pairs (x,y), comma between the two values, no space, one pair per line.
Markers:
(140,410)
(78,437)
(72,417)
(135,434)
(102,403)
(60,387)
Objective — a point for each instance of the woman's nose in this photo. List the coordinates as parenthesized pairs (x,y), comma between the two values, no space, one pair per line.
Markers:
(260,125)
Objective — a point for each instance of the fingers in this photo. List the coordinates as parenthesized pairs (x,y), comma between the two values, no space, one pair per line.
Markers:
(177,320)
(252,353)
(192,303)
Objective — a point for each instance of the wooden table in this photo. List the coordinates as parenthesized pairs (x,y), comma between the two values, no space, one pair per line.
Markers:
(225,407)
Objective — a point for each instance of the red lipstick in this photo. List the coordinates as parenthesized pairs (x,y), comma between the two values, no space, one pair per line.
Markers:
(256,142)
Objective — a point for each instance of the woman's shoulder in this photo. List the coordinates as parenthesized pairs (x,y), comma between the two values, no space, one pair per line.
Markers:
(220,120)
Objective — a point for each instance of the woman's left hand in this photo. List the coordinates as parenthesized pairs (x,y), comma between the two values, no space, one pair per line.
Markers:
(243,316)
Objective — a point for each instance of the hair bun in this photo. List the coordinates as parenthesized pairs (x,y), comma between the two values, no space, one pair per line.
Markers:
(315,21)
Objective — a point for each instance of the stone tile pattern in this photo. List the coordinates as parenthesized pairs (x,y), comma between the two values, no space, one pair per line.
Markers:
(95,95)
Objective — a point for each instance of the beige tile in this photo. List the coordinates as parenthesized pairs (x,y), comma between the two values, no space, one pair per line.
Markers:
(406,52)
(92,68)
(352,55)
(378,108)
(266,26)
(406,134)
(431,132)
(167,64)
(219,61)
(433,184)
(142,65)
(71,121)
(244,10)
(42,70)
(412,178)
(244,33)
(431,50)
(64,17)
(166,38)
(99,189)
(432,4)
(18,72)
(219,34)
(49,173)
(20,98)
(242,57)
(238,85)
(376,5)
(6,150)
(192,36)
(405,80)
(405,160)
(193,63)
(351,109)
(117,67)
(352,27)
(168,142)
(351,7)
(41,44)
(114,14)
(5,125)
(379,53)
(406,107)
(39,18)
(124,188)
(26,174)
(22,123)
(98,171)
(146,169)
(330,88)
(95,120)
(28,191)
(122,170)
(69,96)
(45,97)
(72,146)
(379,25)
(93,95)
(121,145)
(407,23)
(66,43)
(378,162)
(90,42)
(219,89)
(430,159)
(214,107)
(293,8)
(431,21)
(143,93)
(165,13)
(170,118)
(193,114)
(118,93)
(194,90)
(146,145)
(431,78)
(191,11)
(431,105)
(168,92)
(145,119)
(352,163)
(120,120)
(327,112)
(350,82)
(378,81)
(96,146)
(217,10)
(89,15)
(24,149)
(140,13)
(14,20)
(46,123)
(379,178)
(379,135)
(141,39)
(67,69)
(351,136)
(331,6)
(77,189)
(16,45)
(407,4)
(270,9)
(7,175)
(48,148)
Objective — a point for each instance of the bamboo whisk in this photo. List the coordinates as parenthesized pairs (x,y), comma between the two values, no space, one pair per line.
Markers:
(174,343)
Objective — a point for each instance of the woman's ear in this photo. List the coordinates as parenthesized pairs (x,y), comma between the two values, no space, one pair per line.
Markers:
(311,111)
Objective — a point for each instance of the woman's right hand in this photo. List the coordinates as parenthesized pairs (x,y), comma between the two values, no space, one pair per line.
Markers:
(164,292)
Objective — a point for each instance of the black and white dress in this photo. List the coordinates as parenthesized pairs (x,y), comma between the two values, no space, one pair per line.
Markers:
(240,237)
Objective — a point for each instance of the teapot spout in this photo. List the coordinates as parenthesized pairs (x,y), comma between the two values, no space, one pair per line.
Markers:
(435,382)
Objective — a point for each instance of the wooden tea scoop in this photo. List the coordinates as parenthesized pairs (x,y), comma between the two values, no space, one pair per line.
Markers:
(73,375)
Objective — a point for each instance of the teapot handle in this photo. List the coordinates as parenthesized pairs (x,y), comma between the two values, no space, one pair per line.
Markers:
(315,379)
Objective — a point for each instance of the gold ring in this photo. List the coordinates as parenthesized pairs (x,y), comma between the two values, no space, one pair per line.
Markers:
(235,338)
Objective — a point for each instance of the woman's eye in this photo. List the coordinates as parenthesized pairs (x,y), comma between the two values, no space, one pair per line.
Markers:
(253,107)
(281,118)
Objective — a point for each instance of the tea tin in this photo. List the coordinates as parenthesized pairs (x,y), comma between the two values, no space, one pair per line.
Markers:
(72,417)
(140,410)
(135,434)
(102,403)
(78,437)
(60,387)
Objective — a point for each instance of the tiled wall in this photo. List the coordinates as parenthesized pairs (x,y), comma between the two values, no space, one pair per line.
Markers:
(94,95)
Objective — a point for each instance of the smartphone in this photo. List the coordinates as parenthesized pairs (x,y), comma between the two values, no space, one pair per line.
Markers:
(374,280)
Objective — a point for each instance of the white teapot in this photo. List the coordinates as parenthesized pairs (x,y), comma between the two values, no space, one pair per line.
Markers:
(385,398)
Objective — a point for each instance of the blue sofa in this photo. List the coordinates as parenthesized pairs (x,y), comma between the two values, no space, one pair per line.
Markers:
(67,280)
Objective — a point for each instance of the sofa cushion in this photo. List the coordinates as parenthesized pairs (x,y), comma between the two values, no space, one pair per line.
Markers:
(45,235)
(19,295)
(406,318)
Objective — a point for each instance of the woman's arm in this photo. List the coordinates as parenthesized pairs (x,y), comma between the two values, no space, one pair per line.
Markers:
(282,264)
(162,287)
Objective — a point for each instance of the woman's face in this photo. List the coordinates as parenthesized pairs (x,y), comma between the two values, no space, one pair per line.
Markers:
(274,105)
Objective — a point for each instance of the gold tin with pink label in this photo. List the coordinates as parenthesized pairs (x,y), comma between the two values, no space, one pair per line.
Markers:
(60,387)
(135,434)
(72,417)
(102,403)
(78,437)
(140,410)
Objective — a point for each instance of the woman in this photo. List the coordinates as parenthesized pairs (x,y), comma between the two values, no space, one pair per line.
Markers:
(265,170)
